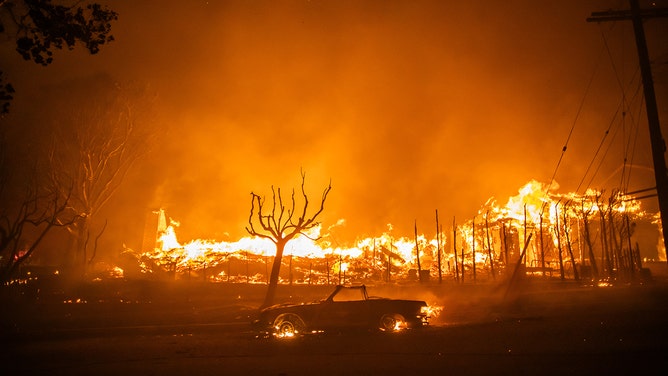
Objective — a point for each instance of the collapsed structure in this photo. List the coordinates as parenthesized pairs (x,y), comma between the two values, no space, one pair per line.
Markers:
(539,232)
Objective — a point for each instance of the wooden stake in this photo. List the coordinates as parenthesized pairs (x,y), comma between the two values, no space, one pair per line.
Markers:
(473,248)
(490,254)
(417,254)
(454,247)
(566,225)
(561,260)
(438,249)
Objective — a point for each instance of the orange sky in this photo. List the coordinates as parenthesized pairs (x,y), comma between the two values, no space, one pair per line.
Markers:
(407,106)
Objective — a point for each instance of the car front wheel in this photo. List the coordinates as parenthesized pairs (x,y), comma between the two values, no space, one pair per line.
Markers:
(392,322)
(288,325)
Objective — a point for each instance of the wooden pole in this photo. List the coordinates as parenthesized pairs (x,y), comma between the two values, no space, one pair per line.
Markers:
(473,248)
(561,260)
(490,254)
(505,243)
(417,254)
(525,229)
(657,143)
(540,234)
(340,265)
(607,262)
(389,265)
(463,263)
(454,247)
(438,249)
(290,271)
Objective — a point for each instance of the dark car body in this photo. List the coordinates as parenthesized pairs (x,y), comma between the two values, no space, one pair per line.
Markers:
(347,307)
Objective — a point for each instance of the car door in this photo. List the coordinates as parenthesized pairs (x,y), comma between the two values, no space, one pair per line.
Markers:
(346,309)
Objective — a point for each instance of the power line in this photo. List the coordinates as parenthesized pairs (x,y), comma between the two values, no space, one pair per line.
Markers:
(575,120)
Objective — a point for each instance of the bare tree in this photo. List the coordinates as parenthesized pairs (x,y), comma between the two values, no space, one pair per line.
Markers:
(95,151)
(586,214)
(280,224)
(26,217)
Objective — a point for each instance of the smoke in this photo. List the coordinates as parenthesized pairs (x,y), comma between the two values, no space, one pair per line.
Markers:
(406,107)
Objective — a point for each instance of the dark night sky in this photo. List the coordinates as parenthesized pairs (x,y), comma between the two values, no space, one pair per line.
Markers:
(407,106)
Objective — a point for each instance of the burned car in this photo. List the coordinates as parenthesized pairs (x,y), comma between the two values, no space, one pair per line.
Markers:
(347,307)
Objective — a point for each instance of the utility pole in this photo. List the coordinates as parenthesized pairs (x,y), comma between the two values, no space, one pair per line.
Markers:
(636,15)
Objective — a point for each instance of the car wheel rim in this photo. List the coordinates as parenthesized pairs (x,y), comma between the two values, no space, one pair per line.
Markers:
(388,323)
(289,325)
(287,329)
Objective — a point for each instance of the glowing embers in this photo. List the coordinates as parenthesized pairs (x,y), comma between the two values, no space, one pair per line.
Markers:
(75,301)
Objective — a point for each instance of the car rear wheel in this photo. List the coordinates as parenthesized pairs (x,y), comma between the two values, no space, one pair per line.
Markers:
(289,325)
(391,322)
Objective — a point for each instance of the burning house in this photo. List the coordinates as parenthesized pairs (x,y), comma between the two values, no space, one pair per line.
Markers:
(588,237)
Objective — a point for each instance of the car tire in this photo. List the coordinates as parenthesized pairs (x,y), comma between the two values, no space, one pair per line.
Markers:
(391,322)
(289,325)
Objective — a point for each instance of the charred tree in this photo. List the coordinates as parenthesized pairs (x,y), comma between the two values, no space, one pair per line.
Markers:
(587,237)
(26,217)
(517,271)
(94,148)
(569,246)
(632,266)
(605,251)
(559,249)
(280,224)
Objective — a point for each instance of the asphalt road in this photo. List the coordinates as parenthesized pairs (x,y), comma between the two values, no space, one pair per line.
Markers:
(517,347)
(559,341)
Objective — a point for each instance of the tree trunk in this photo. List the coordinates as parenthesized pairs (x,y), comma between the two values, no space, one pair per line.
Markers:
(590,247)
(561,258)
(273,278)
(570,247)
(81,244)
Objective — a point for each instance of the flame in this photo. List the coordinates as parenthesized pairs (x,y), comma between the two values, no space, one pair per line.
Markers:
(432,310)
(536,209)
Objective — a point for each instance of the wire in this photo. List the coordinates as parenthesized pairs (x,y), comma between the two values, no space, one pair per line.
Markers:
(632,142)
(600,145)
(629,146)
(575,120)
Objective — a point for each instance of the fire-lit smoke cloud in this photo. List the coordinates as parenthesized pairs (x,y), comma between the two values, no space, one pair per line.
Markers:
(407,106)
